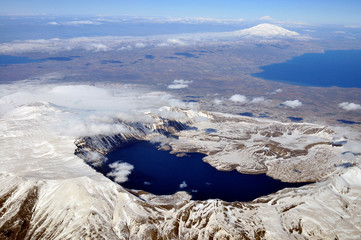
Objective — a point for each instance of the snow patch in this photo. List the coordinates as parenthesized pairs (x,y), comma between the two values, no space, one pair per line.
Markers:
(267,30)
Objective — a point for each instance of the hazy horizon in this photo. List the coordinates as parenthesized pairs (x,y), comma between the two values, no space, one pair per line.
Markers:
(301,12)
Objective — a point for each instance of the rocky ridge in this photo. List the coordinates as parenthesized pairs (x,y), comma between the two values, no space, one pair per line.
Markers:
(79,202)
(284,151)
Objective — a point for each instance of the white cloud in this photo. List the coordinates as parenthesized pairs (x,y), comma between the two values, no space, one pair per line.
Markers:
(277,91)
(184,41)
(196,20)
(179,84)
(57,45)
(46,118)
(84,22)
(215,20)
(183,185)
(75,23)
(258,100)
(120,171)
(292,103)
(181,81)
(175,41)
(90,110)
(350,106)
(238,98)
(352,26)
(117,43)
(140,45)
(165,113)
(217,101)
(97,47)
(352,146)
(267,18)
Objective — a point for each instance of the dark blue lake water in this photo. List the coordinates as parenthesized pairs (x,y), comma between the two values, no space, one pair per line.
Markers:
(160,173)
(340,68)
(295,119)
(8,59)
(347,121)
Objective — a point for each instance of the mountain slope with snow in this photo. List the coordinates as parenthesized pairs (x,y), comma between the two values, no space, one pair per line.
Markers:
(115,43)
(266,30)
(46,192)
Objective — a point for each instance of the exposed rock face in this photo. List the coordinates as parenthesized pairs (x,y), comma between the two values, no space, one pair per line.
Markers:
(49,193)
(93,149)
(85,208)
(248,145)
(282,150)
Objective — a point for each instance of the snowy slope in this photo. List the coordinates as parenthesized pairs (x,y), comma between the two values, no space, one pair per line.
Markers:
(266,30)
(46,192)
(114,43)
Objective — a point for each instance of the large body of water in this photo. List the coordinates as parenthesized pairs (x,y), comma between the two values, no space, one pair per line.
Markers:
(161,173)
(340,68)
(8,59)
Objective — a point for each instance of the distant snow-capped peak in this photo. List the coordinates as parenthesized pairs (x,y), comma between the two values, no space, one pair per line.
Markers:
(266,30)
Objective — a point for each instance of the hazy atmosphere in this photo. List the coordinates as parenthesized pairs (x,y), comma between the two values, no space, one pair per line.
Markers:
(307,11)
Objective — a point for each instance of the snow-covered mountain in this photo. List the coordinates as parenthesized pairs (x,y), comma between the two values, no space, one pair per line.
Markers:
(47,192)
(111,43)
(266,30)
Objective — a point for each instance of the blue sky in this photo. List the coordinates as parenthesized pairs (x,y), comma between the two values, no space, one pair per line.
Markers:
(307,11)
